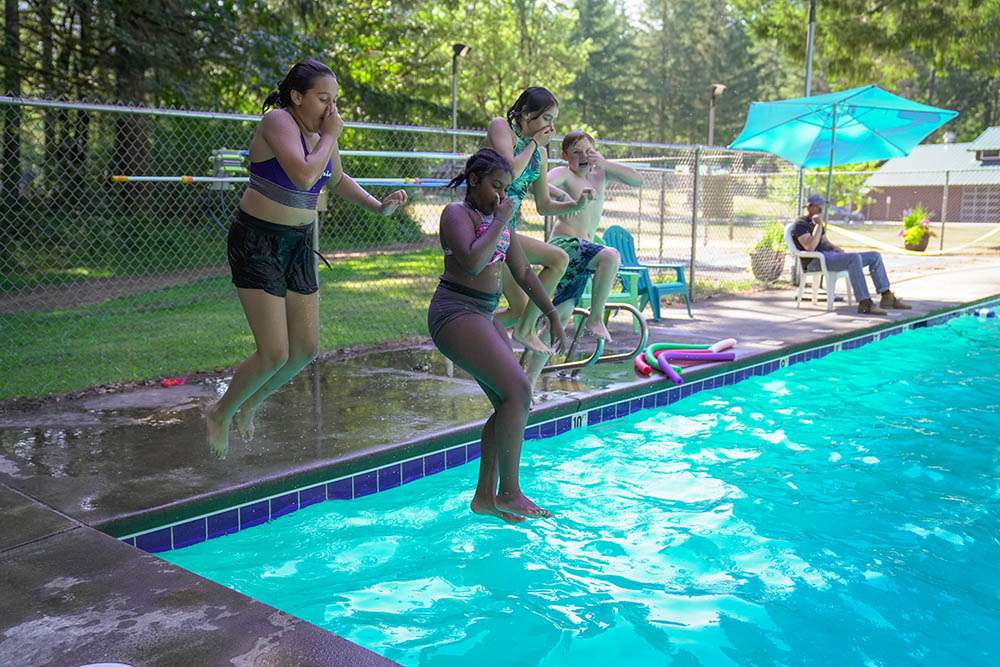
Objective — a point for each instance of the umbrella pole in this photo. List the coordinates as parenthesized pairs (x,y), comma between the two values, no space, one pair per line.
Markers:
(809,76)
(829,173)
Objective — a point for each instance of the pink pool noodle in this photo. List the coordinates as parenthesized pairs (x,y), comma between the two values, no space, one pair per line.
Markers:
(641,366)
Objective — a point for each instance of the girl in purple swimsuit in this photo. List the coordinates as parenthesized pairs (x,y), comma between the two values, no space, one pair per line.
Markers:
(478,243)
(293,153)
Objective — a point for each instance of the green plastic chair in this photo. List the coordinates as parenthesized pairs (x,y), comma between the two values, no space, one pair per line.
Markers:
(621,240)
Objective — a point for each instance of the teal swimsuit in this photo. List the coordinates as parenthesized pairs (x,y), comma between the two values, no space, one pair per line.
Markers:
(519,187)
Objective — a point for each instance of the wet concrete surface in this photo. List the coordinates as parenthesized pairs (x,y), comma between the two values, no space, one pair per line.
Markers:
(133,460)
(80,597)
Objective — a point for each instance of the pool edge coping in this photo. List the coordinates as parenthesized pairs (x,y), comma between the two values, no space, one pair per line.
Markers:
(190,521)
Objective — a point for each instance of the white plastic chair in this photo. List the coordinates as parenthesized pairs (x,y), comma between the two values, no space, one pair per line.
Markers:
(829,277)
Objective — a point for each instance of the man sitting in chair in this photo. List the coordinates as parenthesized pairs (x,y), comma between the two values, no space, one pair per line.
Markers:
(809,235)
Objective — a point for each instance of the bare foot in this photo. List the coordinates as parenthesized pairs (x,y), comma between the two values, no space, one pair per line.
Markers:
(596,328)
(244,423)
(531,341)
(489,509)
(519,503)
(218,432)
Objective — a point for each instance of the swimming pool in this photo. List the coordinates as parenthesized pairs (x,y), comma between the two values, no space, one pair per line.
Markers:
(846,510)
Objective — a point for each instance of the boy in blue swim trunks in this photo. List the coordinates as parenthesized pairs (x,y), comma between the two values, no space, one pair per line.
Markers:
(574,233)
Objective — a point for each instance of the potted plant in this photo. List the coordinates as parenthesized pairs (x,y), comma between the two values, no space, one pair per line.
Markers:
(917,230)
(767,258)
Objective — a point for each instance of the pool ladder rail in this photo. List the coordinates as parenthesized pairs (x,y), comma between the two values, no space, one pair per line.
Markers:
(596,357)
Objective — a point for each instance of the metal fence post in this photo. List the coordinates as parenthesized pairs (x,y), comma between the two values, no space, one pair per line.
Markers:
(639,227)
(663,186)
(694,220)
(944,208)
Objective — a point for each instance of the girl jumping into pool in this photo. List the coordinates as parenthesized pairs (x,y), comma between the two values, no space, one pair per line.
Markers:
(478,242)
(521,139)
(293,153)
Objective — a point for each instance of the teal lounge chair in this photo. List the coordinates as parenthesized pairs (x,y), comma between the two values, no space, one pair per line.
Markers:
(621,240)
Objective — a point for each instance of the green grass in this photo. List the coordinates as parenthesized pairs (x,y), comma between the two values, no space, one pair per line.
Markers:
(201,326)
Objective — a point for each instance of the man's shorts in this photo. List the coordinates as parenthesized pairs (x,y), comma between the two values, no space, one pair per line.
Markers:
(574,281)
(274,258)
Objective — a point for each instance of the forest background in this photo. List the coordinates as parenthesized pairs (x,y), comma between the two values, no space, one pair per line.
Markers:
(637,70)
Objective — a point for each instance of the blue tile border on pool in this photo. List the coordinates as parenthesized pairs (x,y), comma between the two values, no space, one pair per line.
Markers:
(223,523)
(192,532)
(314,494)
(342,489)
(234,519)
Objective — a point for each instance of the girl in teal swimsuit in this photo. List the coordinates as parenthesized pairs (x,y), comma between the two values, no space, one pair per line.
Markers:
(520,138)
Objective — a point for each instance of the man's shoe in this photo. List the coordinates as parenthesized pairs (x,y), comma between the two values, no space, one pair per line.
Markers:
(867,307)
(889,300)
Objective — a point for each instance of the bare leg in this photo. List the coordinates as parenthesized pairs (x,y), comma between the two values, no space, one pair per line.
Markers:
(302,315)
(481,348)
(517,300)
(534,364)
(266,316)
(554,261)
(485,499)
(605,266)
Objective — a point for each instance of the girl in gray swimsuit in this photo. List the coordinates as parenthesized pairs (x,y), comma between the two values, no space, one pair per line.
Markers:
(475,235)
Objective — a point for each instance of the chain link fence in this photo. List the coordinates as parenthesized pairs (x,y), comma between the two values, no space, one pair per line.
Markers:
(113,243)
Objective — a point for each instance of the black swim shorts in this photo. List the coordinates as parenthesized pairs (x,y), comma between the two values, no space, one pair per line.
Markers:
(274,258)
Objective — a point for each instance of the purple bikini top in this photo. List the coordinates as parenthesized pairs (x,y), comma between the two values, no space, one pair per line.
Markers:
(269,179)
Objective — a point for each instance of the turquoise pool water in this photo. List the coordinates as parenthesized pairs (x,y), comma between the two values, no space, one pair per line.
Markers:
(842,511)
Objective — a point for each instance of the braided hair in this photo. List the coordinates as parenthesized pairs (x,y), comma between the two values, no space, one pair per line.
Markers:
(300,78)
(532,102)
(482,163)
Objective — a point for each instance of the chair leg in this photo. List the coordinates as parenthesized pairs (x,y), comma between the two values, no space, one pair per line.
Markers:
(687,301)
(831,292)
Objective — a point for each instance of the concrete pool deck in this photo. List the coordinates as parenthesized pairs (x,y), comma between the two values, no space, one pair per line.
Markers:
(123,462)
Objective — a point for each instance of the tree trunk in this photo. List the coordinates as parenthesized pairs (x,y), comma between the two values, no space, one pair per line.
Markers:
(50,127)
(131,152)
(11,174)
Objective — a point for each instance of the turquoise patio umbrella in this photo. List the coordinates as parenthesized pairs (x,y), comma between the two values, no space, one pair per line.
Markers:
(845,127)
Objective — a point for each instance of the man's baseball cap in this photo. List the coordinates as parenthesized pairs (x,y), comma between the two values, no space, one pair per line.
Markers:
(816,200)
